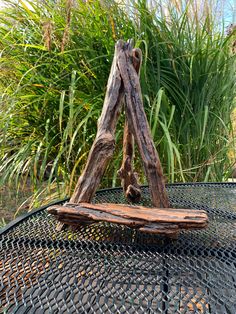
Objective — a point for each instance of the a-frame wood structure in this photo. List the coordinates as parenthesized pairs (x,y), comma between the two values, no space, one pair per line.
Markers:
(124,88)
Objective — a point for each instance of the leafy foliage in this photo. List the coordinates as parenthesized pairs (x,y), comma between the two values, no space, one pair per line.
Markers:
(55,61)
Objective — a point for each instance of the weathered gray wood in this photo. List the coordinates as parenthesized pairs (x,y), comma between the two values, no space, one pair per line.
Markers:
(152,220)
(139,126)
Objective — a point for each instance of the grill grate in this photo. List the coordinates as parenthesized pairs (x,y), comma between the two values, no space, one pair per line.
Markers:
(106,268)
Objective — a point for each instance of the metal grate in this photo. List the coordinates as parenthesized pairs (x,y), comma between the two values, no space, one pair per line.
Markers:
(106,268)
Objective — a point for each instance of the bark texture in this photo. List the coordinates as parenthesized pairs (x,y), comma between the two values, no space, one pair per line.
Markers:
(152,220)
(104,143)
(129,178)
(139,127)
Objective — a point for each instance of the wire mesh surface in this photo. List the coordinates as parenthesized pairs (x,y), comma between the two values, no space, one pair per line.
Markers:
(106,268)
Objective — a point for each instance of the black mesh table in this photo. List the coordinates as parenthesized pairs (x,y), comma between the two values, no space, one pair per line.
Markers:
(106,268)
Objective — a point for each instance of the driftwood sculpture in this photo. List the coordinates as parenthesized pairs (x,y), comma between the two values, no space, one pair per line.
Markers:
(124,87)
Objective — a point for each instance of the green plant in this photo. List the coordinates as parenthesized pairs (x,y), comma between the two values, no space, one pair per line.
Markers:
(55,61)
(2,223)
(194,74)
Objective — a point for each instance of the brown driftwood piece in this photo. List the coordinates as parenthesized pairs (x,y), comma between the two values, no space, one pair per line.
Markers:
(129,179)
(151,220)
(139,126)
(103,146)
(124,81)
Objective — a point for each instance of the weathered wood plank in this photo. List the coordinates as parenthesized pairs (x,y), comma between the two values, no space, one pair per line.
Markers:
(150,220)
(148,214)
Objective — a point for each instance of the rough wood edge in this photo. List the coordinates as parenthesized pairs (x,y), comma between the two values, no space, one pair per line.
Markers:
(140,129)
(151,220)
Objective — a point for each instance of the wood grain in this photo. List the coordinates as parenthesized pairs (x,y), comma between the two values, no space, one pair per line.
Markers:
(104,143)
(129,178)
(140,129)
(151,220)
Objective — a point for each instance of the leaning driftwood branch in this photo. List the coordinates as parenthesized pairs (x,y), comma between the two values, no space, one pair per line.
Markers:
(129,179)
(139,126)
(151,220)
(104,143)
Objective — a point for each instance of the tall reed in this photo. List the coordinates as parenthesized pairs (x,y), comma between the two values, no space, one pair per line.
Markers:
(55,61)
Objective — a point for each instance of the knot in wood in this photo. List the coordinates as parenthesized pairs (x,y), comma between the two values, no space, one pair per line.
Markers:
(105,142)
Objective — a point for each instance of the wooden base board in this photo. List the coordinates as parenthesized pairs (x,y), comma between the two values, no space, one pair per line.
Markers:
(166,221)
